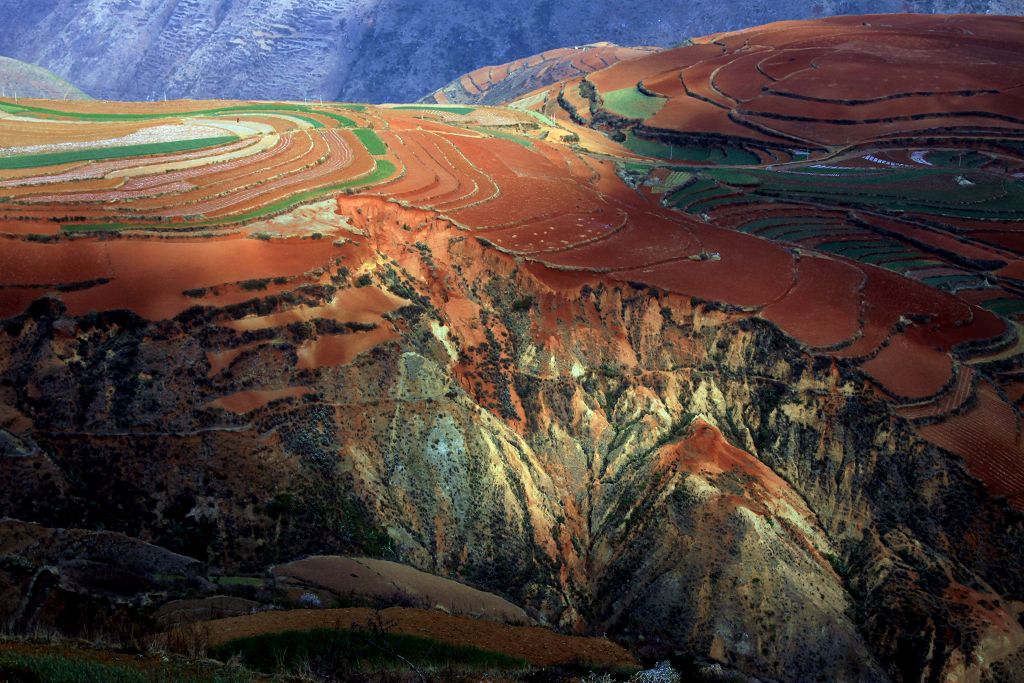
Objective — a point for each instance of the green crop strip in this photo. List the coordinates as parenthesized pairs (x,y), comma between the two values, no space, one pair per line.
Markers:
(374,145)
(57,158)
(1004,306)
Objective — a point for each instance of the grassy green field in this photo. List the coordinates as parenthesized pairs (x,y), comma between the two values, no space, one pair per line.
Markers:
(99,153)
(289,652)
(632,103)
(653,148)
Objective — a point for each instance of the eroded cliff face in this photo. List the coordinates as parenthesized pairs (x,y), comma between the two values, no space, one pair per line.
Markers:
(615,459)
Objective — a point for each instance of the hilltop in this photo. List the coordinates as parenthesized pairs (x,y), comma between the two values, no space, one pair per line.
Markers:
(507,82)
(715,351)
(25,80)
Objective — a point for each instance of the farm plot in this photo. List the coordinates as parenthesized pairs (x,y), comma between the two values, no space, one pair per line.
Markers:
(988,438)
(823,308)
(632,103)
(748,272)
(646,239)
(128,269)
(909,368)
(99,153)
(92,171)
(558,233)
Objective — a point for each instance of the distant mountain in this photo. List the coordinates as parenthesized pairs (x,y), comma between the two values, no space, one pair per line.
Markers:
(366,50)
(18,79)
(507,82)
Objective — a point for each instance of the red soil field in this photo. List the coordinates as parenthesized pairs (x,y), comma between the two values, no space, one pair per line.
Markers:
(1013,241)
(1014,270)
(779,65)
(559,232)
(740,79)
(360,305)
(823,308)
(558,207)
(246,401)
(988,438)
(33,263)
(698,116)
(221,360)
(149,276)
(939,240)
(340,349)
(946,403)
(14,300)
(750,273)
(909,369)
(628,73)
(646,239)
(698,80)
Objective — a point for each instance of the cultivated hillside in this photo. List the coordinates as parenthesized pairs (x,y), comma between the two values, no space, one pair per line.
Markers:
(510,81)
(18,79)
(716,351)
(358,50)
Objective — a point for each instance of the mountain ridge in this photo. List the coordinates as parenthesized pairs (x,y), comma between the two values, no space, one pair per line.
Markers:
(355,50)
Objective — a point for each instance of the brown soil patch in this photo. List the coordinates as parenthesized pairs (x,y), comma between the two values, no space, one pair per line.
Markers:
(383,579)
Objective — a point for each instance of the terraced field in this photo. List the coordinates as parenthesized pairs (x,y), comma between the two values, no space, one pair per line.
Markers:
(506,82)
(887,243)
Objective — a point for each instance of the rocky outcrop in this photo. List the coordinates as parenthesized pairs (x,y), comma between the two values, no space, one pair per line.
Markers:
(363,50)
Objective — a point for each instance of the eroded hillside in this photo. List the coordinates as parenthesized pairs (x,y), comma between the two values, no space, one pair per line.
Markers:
(499,345)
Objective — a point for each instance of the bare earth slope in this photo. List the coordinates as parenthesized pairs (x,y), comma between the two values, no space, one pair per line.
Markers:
(719,396)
